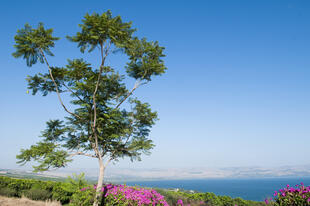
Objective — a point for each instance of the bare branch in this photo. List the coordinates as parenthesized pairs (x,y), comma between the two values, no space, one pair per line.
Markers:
(107,162)
(74,93)
(56,86)
(104,55)
(137,84)
(81,153)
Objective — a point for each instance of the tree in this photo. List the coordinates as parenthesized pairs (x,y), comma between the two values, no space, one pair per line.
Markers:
(101,125)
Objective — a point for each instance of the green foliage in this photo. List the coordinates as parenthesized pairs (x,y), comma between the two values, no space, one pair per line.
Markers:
(212,199)
(207,198)
(100,125)
(30,43)
(83,198)
(38,194)
(60,194)
(171,197)
(70,192)
(75,183)
(30,188)
(145,59)
(8,192)
(96,29)
(227,201)
(47,154)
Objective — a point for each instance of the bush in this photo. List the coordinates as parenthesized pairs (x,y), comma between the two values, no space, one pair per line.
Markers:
(83,197)
(38,194)
(52,190)
(203,199)
(172,197)
(8,192)
(227,201)
(60,194)
(290,196)
(119,195)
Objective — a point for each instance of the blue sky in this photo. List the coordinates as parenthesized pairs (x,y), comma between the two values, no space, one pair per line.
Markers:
(236,93)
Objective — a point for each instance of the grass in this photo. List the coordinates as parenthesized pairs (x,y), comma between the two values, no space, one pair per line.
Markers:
(6,201)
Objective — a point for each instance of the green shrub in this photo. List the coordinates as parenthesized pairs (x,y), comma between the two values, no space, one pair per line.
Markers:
(172,197)
(240,202)
(8,192)
(83,198)
(63,191)
(212,199)
(51,190)
(60,194)
(226,200)
(38,194)
(209,199)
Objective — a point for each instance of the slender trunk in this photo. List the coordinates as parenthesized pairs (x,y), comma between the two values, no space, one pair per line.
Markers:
(99,184)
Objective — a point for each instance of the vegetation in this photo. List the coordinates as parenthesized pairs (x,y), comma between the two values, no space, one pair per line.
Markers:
(13,187)
(33,176)
(107,123)
(120,195)
(76,192)
(291,196)
(210,199)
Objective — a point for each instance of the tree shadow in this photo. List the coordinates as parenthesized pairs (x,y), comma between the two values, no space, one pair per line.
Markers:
(103,198)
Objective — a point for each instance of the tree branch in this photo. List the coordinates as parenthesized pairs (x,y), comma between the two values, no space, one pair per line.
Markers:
(111,156)
(75,94)
(103,58)
(130,93)
(137,84)
(98,80)
(56,87)
(81,153)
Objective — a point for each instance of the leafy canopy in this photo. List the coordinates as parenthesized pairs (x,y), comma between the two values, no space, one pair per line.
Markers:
(100,125)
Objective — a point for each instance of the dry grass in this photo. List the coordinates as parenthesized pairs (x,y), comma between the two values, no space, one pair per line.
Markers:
(6,201)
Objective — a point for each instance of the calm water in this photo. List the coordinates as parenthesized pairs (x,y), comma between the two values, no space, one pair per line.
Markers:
(249,189)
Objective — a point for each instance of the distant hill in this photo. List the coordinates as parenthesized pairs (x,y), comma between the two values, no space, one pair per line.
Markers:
(29,175)
(138,174)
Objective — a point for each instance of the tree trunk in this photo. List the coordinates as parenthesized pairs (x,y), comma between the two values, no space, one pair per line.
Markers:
(99,184)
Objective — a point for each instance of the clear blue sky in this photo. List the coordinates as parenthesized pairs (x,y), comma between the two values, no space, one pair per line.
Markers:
(236,93)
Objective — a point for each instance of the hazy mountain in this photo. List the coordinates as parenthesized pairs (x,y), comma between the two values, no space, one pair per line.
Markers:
(128,174)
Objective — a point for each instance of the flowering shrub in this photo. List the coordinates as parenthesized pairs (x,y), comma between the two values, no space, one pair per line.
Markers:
(180,203)
(290,196)
(120,195)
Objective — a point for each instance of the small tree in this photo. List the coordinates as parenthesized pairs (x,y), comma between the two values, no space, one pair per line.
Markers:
(100,125)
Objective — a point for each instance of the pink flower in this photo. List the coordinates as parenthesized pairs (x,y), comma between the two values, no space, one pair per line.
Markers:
(180,202)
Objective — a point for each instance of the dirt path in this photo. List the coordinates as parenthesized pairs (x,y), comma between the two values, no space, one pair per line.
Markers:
(5,201)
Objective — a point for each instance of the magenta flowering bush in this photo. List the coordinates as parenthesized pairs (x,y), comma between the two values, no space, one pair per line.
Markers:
(132,195)
(121,195)
(291,196)
(180,203)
